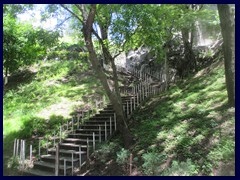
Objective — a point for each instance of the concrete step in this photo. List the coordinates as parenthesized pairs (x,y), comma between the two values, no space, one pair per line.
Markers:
(66,152)
(100,118)
(50,167)
(37,172)
(79,135)
(92,126)
(87,131)
(51,158)
(100,122)
(71,143)
(107,111)
(79,141)
(104,114)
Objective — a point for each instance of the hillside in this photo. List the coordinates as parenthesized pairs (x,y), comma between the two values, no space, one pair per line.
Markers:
(39,97)
(188,130)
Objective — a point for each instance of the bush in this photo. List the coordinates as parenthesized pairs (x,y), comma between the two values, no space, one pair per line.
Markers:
(105,151)
(187,168)
(122,156)
(152,162)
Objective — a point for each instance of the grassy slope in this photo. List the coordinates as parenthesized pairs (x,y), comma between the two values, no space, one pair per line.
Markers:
(190,121)
(40,97)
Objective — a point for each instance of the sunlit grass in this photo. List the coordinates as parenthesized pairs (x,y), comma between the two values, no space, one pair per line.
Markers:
(192,123)
(56,89)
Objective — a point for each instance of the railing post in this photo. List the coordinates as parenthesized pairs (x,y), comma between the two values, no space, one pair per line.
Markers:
(65,171)
(72,124)
(110,125)
(87,148)
(131,105)
(78,121)
(14,147)
(72,164)
(39,148)
(115,121)
(127,109)
(60,133)
(54,138)
(47,146)
(30,153)
(105,131)
(137,99)
(57,160)
(17,147)
(134,103)
(100,134)
(21,149)
(80,157)
(93,141)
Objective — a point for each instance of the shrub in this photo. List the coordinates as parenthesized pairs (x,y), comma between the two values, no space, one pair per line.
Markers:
(187,168)
(123,156)
(105,151)
(152,162)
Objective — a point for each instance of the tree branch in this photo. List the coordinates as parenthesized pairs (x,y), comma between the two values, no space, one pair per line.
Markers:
(60,24)
(76,16)
(83,10)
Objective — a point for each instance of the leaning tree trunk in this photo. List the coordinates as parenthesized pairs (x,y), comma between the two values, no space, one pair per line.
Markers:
(228,32)
(115,99)
(104,34)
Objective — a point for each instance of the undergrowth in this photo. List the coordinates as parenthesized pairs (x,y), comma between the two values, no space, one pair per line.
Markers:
(190,124)
(39,98)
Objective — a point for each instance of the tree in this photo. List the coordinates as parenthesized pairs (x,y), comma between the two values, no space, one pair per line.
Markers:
(23,44)
(227,22)
(86,15)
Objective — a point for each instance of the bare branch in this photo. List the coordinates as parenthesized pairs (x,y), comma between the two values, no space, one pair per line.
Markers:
(60,24)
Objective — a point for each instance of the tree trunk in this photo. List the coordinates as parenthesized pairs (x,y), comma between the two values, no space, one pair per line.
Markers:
(227,23)
(115,99)
(6,76)
(188,63)
(166,69)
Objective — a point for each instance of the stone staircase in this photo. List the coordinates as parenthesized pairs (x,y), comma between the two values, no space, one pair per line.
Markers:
(74,150)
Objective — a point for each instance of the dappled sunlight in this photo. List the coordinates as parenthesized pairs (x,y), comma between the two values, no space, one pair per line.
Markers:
(192,123)
(62,108)
(11,126)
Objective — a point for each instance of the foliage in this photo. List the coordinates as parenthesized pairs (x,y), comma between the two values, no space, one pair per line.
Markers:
(105,151)
(66,51)
(152,163)
(190,121)
(187,168)
(22,44)
(40,97)
(123,156)
(13,164)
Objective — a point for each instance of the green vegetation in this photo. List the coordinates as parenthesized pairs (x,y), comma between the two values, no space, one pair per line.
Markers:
(187,130)
(187,168)
(122,156)
(39,98)
(23,44)
(191,123)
